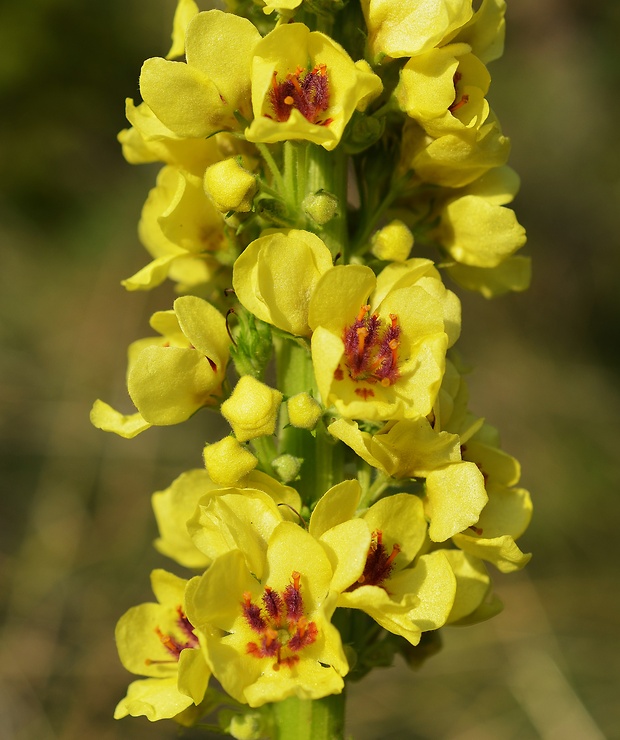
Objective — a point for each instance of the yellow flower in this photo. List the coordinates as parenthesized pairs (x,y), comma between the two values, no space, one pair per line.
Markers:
(453,160)
(252,409)
(377,563)
(455,496)
(178,223)
(513,275)
(305,86)
(474,600)
(242,517)
(148,140)
(481,235)
(275,275)
(158,640)
(486,30)
(404,28)
(188,531)
(170,377)
(173,507)
(411,448)
(379,344)
(185,11)
(198,98)
(507,514)
(408,448)
(444,90)
(267,638)
(476,228)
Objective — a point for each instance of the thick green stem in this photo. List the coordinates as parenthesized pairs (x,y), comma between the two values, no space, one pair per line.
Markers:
(305,719)
(310,169)
(328,171)
(323,458)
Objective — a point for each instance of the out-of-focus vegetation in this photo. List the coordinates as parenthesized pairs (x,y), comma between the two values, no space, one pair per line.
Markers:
(75,522)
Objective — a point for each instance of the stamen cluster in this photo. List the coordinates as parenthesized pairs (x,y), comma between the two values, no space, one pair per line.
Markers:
(281,623)
(371,354)
(305,90)
(174,646)
(379,564)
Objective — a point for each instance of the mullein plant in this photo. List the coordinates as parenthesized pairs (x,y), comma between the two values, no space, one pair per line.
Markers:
(326,164)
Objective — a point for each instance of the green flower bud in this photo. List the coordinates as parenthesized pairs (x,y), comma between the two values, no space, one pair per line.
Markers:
(303,411)
(230,186)
(247,726)
(393,242)
(227,461)
(287,467)
(252,409)
(320,206)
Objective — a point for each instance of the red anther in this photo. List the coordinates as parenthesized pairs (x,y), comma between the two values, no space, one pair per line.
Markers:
(338,373)
(279,638)
(378,565)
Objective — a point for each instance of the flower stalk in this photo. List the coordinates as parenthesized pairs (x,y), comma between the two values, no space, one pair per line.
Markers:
(356,503)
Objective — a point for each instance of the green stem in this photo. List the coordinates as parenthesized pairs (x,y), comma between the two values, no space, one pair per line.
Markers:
(323,458)
(328,171)
(278,180)
(307,719)
(265,449)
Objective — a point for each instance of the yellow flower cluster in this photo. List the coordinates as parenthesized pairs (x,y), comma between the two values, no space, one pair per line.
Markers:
(305,176)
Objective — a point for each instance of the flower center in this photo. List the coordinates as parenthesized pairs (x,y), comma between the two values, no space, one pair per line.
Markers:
(281,624)
(379,564)
(173,645)
(305,90)
(371,351)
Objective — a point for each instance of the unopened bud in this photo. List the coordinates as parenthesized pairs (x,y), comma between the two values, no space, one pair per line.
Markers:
(230,186)
(227,461)
(252,409)
(393,242)
(287,467)
(320,206)
(303,411)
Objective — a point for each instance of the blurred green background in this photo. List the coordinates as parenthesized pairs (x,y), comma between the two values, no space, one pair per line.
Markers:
(75,519)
